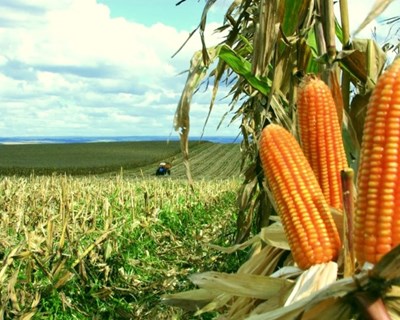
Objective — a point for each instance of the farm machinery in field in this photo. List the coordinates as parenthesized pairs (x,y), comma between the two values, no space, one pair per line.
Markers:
(164,168)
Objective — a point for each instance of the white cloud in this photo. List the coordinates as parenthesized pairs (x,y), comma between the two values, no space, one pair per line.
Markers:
(67,68)
(358,11)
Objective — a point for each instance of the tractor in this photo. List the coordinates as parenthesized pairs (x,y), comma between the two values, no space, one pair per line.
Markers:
(164,168)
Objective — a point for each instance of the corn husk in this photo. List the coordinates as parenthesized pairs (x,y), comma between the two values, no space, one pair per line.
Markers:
(262,290)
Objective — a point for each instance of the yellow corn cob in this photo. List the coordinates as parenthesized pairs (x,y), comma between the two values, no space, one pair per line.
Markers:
(309,227)
(377,218)
(321,137)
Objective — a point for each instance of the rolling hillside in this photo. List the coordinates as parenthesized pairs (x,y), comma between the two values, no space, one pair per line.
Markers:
(137,159)
(207,160)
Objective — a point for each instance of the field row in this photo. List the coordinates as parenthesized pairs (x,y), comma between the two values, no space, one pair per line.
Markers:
(207,160)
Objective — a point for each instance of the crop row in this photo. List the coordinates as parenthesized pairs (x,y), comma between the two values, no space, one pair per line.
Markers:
(208,160)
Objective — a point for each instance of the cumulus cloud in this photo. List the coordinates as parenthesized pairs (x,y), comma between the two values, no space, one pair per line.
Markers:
(68,68)
(359,10)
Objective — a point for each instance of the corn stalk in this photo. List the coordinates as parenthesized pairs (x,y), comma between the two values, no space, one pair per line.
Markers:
(269,46)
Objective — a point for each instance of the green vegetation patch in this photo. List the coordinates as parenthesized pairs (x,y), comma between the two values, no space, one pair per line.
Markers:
(82,158)
(137,159)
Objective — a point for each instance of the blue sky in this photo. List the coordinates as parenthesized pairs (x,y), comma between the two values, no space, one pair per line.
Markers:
(183,17)
(104,68)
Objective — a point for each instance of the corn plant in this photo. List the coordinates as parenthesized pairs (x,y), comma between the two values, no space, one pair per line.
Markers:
(271,51)
(269,45)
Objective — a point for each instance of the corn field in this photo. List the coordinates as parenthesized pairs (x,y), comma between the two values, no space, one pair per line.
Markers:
(106,247)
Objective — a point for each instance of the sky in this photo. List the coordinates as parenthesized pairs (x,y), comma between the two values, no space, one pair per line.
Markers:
(105,67)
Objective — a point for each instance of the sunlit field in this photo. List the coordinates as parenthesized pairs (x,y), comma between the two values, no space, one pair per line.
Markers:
(109,246)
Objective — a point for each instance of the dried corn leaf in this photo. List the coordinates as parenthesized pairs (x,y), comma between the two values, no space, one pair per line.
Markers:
(244,201)
(377,9)
(241,307)
(27,316)
(364,63)
(275,236)
(334,86)
(388,267)
(269,305)
(331,308)
(218,72)
(36,300)
(266,36)
(262,263)
(23,255)
(12,296)
(103,293)
(394,292)
(287,272)
(219,302)
(337,216)
(50,235)
(242,285)
(59,267)
(191,300)
(8,261)
(63,279)
(197,72)
(237,247)
(393,308)
(336,290)
(99,240)
(312,280)
(358,111)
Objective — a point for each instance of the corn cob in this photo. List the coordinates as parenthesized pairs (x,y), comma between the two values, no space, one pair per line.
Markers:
(377,218)
(321,137)
(309,227)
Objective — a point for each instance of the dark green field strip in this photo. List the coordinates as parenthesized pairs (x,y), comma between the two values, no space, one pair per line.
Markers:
(73,158)
(138,159)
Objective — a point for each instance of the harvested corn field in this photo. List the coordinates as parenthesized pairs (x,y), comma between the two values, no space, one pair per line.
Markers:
(101,247)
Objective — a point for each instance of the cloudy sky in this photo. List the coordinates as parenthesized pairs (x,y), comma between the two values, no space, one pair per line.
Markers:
(104,67)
